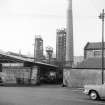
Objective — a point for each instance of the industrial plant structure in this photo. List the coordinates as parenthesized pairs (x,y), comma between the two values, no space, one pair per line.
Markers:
(61,50)
(61,46)
(38,48)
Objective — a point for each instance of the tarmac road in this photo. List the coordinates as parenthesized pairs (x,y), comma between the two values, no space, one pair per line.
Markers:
(44,95)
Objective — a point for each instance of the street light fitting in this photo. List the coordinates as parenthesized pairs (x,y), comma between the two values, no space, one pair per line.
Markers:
(102,15)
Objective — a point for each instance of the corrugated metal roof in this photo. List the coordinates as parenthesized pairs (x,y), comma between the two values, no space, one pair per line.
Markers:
(91,63)
(16,57)
(25,59)
(41,63)
(94,45)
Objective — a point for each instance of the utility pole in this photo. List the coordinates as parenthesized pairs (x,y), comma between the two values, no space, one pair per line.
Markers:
(102,16)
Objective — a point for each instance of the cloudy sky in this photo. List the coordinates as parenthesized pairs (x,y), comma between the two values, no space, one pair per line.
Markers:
(21,20)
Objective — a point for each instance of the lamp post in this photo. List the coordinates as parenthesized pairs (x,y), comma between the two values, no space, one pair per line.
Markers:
(102,15)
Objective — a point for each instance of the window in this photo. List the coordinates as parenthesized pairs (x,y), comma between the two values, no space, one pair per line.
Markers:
(97,53)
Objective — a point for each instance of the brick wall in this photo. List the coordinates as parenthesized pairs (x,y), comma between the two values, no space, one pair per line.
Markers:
(80,77)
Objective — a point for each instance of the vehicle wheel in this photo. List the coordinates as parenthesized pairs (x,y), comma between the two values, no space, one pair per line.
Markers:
(93,95)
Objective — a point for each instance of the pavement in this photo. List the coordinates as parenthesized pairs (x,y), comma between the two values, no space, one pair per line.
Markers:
(44,95)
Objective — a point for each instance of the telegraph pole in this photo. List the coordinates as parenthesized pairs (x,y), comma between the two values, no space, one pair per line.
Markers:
(34,51)
(102,16)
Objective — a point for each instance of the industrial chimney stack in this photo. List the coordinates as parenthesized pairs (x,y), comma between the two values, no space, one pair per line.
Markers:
(69,37)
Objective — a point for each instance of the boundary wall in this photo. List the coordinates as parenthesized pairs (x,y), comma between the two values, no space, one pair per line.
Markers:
(81,77)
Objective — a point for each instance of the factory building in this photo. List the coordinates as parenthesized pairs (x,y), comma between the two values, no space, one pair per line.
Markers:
(93,49)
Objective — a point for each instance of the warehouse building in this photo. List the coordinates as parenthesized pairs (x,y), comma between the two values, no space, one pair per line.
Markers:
(20,70)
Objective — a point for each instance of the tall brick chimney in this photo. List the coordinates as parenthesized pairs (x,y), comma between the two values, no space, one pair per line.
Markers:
(69,37)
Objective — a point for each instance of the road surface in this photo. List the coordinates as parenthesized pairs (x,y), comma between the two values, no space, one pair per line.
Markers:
(44,95)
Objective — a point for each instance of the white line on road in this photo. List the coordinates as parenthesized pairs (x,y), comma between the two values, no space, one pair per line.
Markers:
(77,90)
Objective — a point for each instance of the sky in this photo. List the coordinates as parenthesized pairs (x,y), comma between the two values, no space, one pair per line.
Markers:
(21,20)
